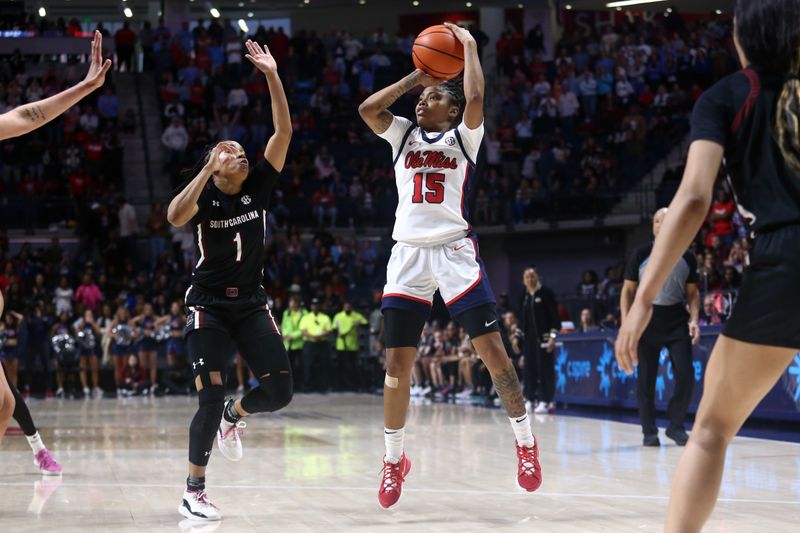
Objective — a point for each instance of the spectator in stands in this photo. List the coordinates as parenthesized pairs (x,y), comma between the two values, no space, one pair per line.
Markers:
(175,138)
(587,324)
(721,218)
(736,257)
(709,315)
(89,120)
(88,294)
(125,39)
(108,107)
(174,109)
(62,296)
(324,203)
(158,233)
(128,229)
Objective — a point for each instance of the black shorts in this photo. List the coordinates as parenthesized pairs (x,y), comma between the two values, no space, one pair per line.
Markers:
(218,327)
(767,309)
(228,314)
(403,328)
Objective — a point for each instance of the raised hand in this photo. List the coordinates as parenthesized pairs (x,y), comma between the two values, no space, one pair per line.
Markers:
(98,68)
(426,80)
(217,157)
(260,57)
(461,34)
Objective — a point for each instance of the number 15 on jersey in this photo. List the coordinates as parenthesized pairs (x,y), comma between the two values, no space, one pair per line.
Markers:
(434,188)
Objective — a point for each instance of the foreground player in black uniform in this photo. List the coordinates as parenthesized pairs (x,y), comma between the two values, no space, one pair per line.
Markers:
(226,204)
(752,118)
(28,117)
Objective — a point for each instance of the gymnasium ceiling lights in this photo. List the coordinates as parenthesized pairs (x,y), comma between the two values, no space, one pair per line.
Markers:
(128,13)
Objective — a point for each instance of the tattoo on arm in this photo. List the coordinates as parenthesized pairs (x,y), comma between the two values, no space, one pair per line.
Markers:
(384,120)
(34,113)
(508,388)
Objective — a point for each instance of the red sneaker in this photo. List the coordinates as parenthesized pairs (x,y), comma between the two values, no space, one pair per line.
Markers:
(529,473)
(392,477)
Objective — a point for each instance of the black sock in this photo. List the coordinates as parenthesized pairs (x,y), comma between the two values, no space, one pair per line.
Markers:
(196,483)
(230,414)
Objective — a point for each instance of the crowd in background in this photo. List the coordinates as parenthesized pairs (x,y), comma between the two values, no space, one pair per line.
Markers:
(566,137)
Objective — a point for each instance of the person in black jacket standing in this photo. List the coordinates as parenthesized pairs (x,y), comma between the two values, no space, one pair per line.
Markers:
(540,324)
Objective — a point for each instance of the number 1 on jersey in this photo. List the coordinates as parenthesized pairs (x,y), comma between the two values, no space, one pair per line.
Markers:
(238,241)
(434,185)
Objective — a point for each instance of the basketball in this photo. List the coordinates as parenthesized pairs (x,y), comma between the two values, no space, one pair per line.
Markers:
(437,52)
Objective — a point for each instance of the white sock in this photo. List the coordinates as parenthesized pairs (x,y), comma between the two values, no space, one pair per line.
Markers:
(394,443)
(522,429)
(36,443)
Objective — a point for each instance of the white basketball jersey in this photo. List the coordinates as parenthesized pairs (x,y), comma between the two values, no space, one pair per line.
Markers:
(433,173)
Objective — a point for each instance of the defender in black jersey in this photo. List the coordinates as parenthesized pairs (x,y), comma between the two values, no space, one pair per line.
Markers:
(226,204)
(752,120)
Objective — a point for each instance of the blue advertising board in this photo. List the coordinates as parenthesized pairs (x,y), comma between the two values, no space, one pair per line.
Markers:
(587,374)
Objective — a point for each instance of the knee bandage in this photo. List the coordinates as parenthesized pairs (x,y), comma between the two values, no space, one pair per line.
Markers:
(391,382)
(274,392)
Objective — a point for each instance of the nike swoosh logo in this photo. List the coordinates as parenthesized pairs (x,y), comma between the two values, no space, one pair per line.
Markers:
(521,419)
(487,324)
(457,248)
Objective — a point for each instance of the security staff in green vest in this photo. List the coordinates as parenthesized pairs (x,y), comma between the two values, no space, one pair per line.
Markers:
(316,327)
(345,324)
(293,338)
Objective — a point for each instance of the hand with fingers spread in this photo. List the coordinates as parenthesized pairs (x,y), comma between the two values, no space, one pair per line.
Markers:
(261,58)
(626,347)
(98,68)
(461,34)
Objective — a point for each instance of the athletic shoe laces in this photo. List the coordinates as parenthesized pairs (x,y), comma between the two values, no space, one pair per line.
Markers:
(202,497)
(46,460)
(392,476)
(236,430)
(527,457)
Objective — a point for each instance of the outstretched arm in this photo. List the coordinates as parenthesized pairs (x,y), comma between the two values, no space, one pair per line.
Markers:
(28,117)
(184,206)
(473,77)
(375,109)
(278,144)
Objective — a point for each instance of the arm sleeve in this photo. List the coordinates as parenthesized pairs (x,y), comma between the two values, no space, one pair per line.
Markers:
(470,139)
(394,134)
(712,116)
(632,268)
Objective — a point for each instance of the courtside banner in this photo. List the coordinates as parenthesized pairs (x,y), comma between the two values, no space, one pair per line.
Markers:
(587,374)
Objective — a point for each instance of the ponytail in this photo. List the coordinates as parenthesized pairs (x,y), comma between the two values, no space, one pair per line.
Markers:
(188,174)
(787,123)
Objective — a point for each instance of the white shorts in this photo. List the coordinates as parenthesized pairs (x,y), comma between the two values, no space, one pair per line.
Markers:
(415,273)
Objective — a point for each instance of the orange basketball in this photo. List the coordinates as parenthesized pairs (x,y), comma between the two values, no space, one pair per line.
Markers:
(437,51)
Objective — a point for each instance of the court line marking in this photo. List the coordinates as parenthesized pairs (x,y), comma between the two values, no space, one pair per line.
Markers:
(477,492)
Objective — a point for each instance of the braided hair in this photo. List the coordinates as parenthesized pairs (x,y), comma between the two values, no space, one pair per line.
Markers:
(454,88)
